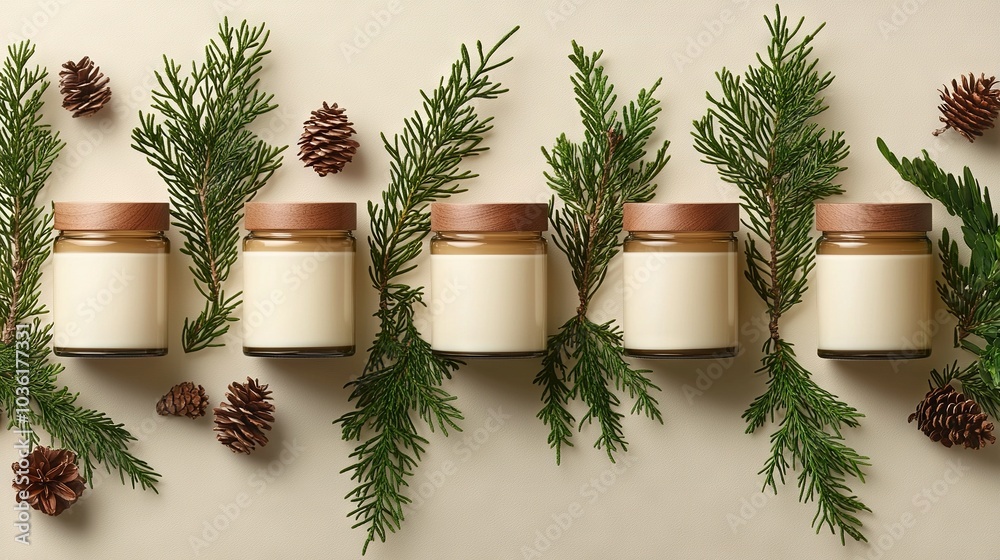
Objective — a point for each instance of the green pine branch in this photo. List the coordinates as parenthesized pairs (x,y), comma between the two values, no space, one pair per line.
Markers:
(401,383)
(969,288)
(211,162)
(28,148)
(761,136)
(593,179)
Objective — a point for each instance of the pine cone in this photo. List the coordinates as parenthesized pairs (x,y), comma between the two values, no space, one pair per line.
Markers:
(326,143)
(970,108)
(85,90)
(241,422)
(183,399)
(947,416)
(52,480)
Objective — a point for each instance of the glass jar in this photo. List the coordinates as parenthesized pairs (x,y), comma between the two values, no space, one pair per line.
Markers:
(488,280)
(874,281)
(109,269)
(298,279)
(680,280)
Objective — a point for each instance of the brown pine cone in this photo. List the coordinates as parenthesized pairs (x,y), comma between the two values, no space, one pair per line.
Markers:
(52,481)
(241,422)
(947,416)
(85,90)
(970,108)
(183,399)
(326,143)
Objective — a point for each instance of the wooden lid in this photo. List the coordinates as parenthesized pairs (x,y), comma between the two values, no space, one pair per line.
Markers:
(333,216)
(109,216)
(489,217)
(873,217)
(648,216)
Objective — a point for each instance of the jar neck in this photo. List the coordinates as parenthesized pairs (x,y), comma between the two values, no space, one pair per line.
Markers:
(680,235)
(300,234)
(488,236)
(90,234)
(874,235)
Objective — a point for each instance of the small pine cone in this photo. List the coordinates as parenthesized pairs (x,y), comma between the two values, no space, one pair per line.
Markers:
(970,108)
(85,90)
(947,416)
(183,399)
(241,422)
(52,481)
(326,143)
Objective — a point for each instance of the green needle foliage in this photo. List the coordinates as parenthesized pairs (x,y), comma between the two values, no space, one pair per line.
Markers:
(401,382)
(211,162)
(761,136)
(594,179)
(971,292)
(28,149)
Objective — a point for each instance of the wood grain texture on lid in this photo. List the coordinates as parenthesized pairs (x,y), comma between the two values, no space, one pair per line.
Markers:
(490,217)
(331,216)
(110,216)
(873,217)
(649,216)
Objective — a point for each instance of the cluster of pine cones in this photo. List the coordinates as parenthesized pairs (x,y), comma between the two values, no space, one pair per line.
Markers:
(241,421)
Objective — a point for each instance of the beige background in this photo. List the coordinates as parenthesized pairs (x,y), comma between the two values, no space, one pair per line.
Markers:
(688,489)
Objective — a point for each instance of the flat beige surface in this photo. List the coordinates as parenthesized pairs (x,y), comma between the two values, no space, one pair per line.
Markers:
(688,489)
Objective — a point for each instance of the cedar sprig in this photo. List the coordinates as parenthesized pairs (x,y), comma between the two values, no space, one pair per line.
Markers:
(28,149)
(211,162)
(761,136)
(593,179)
(970,292)
(401,383)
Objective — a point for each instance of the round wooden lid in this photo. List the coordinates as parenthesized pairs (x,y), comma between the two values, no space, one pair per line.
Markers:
(332,216)
(873,217)
(490,217)
(109,216)
(648,216)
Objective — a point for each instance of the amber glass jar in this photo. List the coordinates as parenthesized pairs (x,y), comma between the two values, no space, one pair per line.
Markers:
(488,280)
(680,280)
(874,281)
(109,270)
(298,279)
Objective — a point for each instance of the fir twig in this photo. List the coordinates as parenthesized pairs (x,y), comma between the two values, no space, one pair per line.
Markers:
(28,149)
(761,136)
(211,162)
(593,179)
(970,292)
(401,382)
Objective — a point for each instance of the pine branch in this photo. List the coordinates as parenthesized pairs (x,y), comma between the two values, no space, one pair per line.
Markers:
(970,292)
(402,379)
(594,179)
(761,136)
(28,149)
(211,162)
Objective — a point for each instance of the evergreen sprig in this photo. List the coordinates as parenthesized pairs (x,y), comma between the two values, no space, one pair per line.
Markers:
(212,163)
(761,136)
(401,382)
(593,179)
(28,149)
(970,292)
